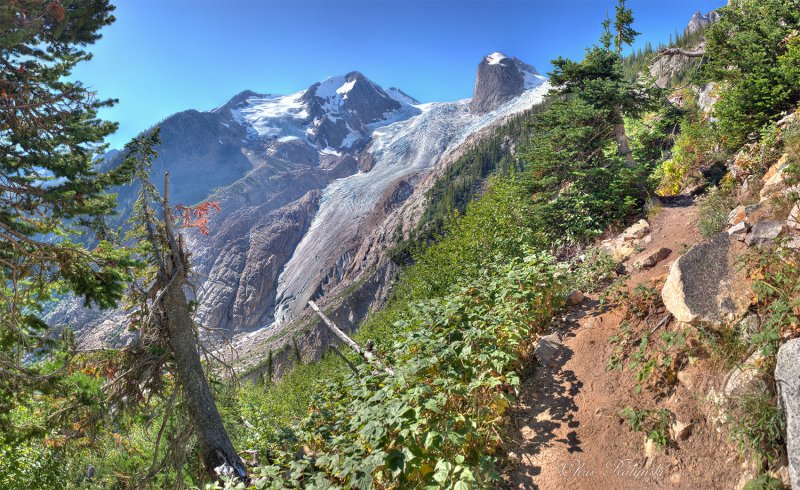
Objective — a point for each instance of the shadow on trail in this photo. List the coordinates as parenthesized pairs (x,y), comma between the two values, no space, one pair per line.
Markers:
(676,201)
(546,406)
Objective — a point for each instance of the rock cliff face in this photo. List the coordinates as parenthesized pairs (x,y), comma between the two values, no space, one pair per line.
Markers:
(499,80)
(308,184)
(698,21)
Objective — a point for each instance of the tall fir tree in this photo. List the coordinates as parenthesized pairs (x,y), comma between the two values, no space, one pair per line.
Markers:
(53,195)
(599,79)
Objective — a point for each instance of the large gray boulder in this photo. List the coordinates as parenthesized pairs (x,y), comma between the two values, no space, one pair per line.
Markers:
(764,233)
(787,378)
(704,286)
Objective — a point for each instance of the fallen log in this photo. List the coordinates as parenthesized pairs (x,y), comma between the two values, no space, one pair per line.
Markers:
(368,356)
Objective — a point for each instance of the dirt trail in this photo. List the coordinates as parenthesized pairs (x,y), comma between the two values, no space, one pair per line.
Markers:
(566,428)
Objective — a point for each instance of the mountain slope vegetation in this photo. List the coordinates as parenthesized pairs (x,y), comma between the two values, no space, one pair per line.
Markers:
(507,241)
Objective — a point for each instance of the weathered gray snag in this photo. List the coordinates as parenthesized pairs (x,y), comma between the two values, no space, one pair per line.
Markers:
(698,53)
(218,453)
(367,355)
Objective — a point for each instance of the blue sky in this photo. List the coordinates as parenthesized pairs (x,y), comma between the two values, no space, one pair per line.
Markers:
(164,56)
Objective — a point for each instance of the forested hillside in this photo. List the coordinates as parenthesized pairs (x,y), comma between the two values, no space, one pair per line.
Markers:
(519,234)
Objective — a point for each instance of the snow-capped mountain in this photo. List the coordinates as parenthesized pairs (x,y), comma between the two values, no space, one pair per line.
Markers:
(337,114)
(302,180)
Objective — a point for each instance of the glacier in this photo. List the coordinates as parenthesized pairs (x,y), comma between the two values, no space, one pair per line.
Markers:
(401,150)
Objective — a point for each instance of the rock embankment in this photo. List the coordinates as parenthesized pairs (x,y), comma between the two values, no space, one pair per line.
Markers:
(787,379)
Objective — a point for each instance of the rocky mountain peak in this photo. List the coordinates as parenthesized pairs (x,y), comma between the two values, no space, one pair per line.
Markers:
(500,79)
(340,109)
(698,21)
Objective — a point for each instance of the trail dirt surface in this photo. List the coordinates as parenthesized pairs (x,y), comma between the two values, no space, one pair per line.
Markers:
(566,427)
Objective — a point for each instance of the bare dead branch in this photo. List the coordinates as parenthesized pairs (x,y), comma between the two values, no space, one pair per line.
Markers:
(698,53)
(367,355)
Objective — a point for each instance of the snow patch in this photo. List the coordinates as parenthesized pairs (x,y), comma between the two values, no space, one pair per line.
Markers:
(399,96)
(268,115)
(347,87)
(330,151)
(532,79)
(495,58)
(328,88)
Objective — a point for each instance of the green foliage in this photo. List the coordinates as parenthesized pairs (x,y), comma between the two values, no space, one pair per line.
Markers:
(54,199)
(713,211)
(754,51)
(592,271)
(637,63)
(623,22)
(462,181)
(437,420)
(274,408)
(696,150)
(27,465)
(653,136)
(758,427)
(764,482)
(493,226)
(776,275)
(579,185)
(653,422)
(653,359)
(725,346)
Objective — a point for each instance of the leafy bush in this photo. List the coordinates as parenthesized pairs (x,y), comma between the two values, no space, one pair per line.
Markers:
(777,288)
(592,270)
(653,422)
(696,149)
(438,419)
(27,465)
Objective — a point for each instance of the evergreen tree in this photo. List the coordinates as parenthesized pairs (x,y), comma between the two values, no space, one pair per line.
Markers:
(623,22)
(578,187)
(599,79)
(53,195)
(754,50)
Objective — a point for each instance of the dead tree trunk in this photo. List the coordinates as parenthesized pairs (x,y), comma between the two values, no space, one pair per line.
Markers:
(217,451)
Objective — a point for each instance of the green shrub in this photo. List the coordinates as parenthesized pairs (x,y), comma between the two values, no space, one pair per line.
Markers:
(713,211)
(754,51)
(758,427)
(28,465)
(438,419)
(653,422)
(696,149)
